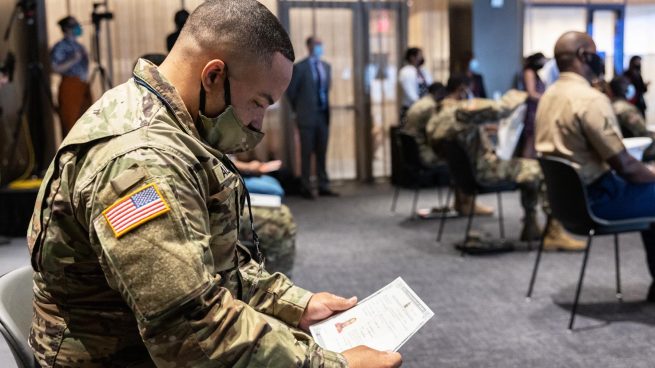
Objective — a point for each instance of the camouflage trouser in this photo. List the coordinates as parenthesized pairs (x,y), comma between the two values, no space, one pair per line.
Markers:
(525,172)
(277,236)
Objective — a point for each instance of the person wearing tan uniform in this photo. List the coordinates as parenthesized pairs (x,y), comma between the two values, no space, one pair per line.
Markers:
(576,122)
(464,122)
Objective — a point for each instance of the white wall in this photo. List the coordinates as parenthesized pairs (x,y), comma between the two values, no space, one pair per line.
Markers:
(639,28)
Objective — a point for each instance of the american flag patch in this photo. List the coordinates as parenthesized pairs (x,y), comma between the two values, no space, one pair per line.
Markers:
(135,209)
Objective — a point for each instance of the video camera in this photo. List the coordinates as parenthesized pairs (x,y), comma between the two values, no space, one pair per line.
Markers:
(97,16)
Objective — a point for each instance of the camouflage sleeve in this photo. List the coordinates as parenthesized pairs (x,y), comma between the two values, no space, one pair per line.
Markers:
(274,295)
(162,268)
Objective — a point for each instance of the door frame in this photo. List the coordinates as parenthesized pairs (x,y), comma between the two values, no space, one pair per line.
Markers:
(361,58)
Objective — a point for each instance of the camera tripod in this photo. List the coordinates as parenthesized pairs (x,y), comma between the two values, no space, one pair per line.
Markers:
(99,70)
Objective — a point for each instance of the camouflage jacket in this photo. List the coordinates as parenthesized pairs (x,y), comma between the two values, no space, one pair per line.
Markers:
(462,121)
(630,119)
(166,291)
(418,116)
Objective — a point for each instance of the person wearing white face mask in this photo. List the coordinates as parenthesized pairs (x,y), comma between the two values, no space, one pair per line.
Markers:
(309,93)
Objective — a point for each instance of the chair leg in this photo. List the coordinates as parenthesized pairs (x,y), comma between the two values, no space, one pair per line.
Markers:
(619,296)
(582,270)
(538,260)
(443,216)
(501,223)
(415,203)
(470,219)
(439,198)
(395,199)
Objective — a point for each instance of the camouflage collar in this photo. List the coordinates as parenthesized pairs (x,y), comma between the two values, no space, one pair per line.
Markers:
(148,73)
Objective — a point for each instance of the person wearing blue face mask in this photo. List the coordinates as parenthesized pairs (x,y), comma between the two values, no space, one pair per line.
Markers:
(632,123)
(308,94)
(69,59)
(472,71)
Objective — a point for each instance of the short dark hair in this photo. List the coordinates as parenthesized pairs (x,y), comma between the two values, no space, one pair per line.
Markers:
(242,26)
(310,41)
(180,18)
(618,86)
(456,81)
(436,87)
(411,52)
(67,23)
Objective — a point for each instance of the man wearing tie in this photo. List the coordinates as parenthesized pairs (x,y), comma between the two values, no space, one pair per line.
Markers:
(308,94)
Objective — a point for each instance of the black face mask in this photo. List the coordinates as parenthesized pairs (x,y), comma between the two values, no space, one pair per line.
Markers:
(595,63)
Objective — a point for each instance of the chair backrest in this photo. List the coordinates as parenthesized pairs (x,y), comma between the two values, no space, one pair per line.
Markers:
(460,166)
(16,313)
(567,195)
(409,151)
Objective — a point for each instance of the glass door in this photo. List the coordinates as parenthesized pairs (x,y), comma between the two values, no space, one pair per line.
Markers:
(362,42)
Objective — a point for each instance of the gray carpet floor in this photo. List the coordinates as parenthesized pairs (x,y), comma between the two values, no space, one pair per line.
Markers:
(353,245)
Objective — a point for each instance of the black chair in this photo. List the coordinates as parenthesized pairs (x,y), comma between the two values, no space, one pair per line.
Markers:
(462,171)
(411,172)
(568,202)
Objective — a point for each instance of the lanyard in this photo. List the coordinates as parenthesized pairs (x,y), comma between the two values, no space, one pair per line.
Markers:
(233,168)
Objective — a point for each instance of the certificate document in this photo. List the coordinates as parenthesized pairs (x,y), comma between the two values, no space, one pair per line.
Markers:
(383,321)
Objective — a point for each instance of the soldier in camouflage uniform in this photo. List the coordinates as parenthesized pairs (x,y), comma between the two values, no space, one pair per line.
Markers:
(462,122)
(417,118)
(277,236)
(134,234)
(630,120)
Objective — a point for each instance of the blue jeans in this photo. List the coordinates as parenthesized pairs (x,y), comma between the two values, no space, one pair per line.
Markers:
(264,185)
(613,198)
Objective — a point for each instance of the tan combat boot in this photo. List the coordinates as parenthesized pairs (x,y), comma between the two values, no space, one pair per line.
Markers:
(463,206)
(558,239)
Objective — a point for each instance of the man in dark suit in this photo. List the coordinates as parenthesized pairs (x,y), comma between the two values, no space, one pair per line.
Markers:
(308,94)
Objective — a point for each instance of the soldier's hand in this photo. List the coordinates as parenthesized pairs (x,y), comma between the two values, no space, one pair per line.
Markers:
(363,356)
(322,306)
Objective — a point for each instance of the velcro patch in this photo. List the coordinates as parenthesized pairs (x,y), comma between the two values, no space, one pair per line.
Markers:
(135,209)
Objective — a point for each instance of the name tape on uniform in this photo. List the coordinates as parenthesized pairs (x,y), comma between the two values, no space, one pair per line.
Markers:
(135,209)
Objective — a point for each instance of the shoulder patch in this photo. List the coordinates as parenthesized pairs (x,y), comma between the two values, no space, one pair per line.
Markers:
(222,173)
(135,209)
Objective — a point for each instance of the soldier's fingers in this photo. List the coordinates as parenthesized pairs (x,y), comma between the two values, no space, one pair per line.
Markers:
(394,359)
(337,303)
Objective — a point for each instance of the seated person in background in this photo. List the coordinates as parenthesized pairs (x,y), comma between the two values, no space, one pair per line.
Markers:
(254,175)
(462,122)
(417,119)
(274,225)
(631,122)
(576,122)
